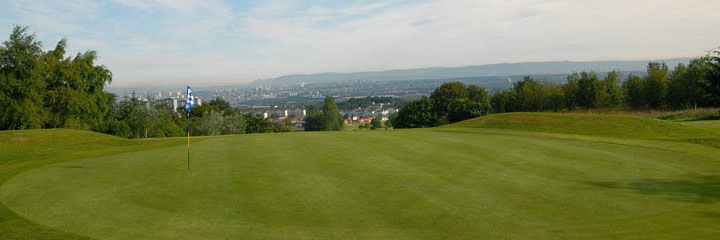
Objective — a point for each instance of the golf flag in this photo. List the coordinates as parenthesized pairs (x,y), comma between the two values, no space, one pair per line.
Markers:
(190,103)
(190,99)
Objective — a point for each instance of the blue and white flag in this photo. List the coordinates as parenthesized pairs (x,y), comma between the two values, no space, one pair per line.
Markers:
(190,99)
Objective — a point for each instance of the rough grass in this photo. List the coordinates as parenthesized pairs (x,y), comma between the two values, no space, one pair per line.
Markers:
(510,176)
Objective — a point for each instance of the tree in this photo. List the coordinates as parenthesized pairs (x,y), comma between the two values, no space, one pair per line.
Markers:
(556,98)
(211,124)
(222,106)
(500,101)
(375,124)
(656,84)
(315,122)
(528,95)
(478,102)
(610,94)
(571,89)
(417,114)
(256,123)
(711,83)
(388,123)
(588,89)
(695,80)
(634,92)
(447,100)
(332,116)
(22,86)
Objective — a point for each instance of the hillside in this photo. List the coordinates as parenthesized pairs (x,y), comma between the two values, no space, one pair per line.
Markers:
(588,124)
(503,69)
(511,176)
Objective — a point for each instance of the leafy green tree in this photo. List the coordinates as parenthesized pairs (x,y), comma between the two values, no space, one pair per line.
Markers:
(22,84)
(711,83)
(500,101)
(222,106)
(556,98)
(375,124)
(589,86)
(447,100)
(233,124)
(656,84)
(388,123)
(528,95)
(633,88)
(315,122)
(332,115)
(695,80)
(417,114)
(571,89)
(478,102)
(256,123)
(610,94)
(211,124)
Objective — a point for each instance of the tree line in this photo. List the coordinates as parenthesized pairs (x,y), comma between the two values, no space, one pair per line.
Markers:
(696,84)
(41,89)
(451,102)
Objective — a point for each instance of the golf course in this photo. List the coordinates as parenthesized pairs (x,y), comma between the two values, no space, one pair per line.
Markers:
(501,176)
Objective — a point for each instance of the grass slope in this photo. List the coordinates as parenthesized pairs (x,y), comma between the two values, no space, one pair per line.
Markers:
(589,124)
(518,176)
(21,151)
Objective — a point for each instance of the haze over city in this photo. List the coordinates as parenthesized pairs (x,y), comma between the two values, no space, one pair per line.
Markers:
(160,42)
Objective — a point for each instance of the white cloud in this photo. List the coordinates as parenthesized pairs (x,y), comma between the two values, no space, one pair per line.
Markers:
(163,40)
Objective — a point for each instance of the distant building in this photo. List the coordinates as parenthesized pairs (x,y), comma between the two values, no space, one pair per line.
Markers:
(172,102)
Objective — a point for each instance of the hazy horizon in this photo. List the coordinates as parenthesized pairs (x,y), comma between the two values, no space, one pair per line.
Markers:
(160,42)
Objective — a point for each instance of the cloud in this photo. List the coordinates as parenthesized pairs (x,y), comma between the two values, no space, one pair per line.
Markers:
(228,41)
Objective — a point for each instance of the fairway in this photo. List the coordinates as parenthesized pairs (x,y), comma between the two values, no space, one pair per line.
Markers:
(515,176)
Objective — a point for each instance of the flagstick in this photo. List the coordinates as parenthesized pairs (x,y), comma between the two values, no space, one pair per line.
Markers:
(188,142)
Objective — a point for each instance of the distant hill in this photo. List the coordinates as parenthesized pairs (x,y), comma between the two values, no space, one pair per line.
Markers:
(502,69)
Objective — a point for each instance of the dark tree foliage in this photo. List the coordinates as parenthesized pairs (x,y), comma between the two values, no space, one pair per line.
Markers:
(711,83)
(315,122)
(501,101)
(417,114)
(451,102)
(327,119)
(256,123)
(45,89)
(447,100)
(375,123)
(332,116)
(656,85)
(589,86)
(571,90)
(610,94)
(633,89)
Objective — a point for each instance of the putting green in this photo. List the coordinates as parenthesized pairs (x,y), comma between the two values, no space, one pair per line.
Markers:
(458,183)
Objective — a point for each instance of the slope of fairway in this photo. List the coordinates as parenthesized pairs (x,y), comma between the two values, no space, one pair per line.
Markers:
(21,151)
(455,182)
(589,124)
(710,124)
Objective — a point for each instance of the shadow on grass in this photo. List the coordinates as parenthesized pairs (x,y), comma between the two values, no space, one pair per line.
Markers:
(697,189)
(710,215)
(69,167)
(706,118)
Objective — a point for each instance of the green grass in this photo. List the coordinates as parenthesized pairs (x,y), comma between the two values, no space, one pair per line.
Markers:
(516,176)
(588,124)
(712,124)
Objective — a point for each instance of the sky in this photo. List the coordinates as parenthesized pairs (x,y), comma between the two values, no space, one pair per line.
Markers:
(206,42)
